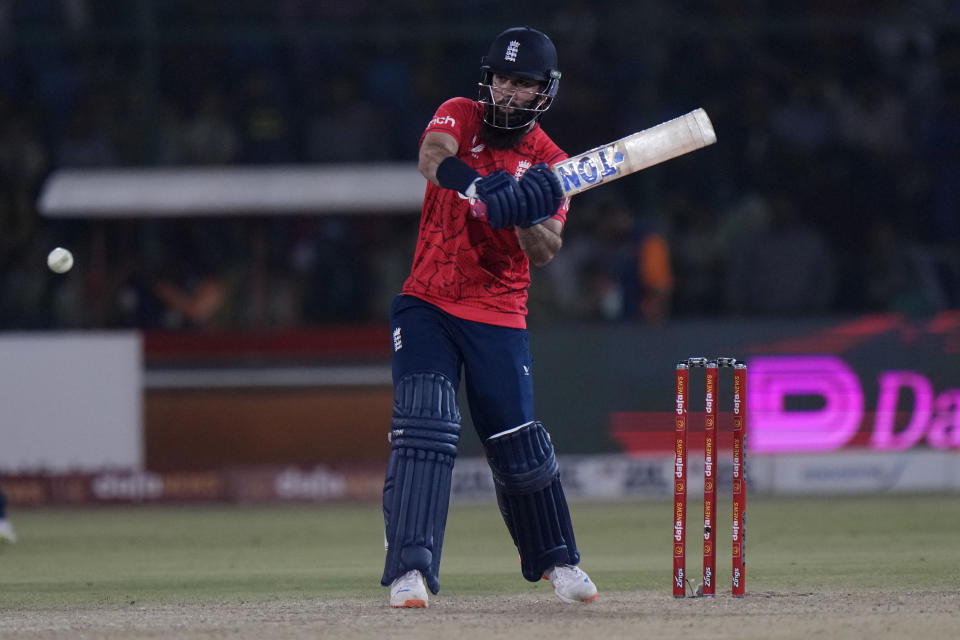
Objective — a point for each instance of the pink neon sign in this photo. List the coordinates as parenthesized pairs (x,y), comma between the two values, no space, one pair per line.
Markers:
(774,428)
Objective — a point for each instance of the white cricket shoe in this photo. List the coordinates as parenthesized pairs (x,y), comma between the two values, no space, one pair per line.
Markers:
(6,531)
(408,591)
(571,584)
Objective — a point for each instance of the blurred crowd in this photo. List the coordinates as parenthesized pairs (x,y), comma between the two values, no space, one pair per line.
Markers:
(834,187)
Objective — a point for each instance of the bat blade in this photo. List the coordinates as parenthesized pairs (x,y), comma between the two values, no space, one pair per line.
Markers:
(635,152)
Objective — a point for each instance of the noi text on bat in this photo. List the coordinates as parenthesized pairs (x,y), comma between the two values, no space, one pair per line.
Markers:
(592,169)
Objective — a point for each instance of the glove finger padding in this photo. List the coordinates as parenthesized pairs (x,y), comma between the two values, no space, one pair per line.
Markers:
(514,203)
(504,199)
(533,191)
(543,193)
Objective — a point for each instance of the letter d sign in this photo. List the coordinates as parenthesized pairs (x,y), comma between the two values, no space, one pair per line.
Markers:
(773,379)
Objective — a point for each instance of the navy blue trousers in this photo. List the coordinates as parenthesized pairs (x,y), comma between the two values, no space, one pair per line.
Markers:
(496,361)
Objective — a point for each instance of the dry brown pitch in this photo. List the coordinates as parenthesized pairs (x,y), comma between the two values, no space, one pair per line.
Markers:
(874,615)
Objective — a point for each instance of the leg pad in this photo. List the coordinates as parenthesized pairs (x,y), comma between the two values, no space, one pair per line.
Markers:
(527,481)
(416,492)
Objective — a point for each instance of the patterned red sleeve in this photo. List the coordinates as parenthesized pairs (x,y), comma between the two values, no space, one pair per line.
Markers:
(452,117)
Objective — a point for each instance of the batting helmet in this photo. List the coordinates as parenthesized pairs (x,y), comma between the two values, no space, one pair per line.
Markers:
(519,52)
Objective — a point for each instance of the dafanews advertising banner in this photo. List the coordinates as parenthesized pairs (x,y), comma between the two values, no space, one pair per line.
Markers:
(880,383)
(585,477)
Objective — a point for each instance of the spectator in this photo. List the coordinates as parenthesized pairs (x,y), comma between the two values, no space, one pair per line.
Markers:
(343,126)
(894,277)
(870,115)
(335,266)
(187,289)
(209,137)
(87,143)
(699,258)
(23,161)
(803,122)
(170,148)
(629,275)
(942,150)
(265,125)
(783,269)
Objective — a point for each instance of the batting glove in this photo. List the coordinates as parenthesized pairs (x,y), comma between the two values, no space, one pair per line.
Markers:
(543,193)
(505,200)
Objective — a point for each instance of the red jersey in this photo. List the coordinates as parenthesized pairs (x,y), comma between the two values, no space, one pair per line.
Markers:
(462,265)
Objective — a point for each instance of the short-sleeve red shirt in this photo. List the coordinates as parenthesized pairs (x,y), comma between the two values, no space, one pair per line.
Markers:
(462,265)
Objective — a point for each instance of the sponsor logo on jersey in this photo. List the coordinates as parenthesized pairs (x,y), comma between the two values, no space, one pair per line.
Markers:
(441,121)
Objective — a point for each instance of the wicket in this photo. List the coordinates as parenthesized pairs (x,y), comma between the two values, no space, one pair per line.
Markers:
(739,575)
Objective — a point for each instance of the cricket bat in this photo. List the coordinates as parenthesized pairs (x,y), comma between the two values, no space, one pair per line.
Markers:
(637,151)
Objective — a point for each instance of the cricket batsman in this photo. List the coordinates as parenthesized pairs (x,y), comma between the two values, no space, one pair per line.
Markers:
(492,207)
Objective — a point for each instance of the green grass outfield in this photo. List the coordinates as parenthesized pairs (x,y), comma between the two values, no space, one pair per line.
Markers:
(123,555)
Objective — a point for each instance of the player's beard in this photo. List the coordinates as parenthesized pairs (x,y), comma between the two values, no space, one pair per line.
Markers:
(498,138)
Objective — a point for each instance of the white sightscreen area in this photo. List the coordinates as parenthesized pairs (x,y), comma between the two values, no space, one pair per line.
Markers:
(70,401)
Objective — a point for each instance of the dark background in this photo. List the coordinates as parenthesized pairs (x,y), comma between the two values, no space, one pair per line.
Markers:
(833,188)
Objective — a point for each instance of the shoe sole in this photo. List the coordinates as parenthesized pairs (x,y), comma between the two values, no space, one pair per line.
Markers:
(576,601)
(571,600)
(411,604)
